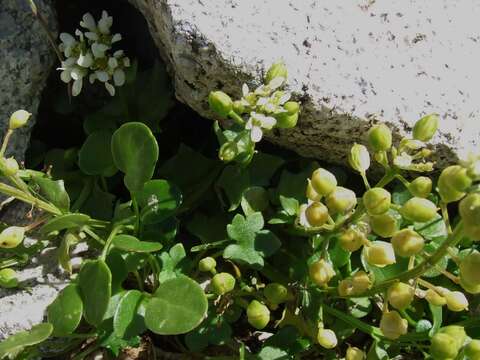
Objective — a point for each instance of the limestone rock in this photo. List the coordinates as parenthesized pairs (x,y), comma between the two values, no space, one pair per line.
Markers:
(350,62)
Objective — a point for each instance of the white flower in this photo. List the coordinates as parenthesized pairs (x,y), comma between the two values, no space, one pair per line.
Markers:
(105,23)
(77,86)
(85,60)
(110,88)
(116,38)
(99,50)
(276,82)
(88,22)
(67,39)
(257,123)
(403,161)
(119,77)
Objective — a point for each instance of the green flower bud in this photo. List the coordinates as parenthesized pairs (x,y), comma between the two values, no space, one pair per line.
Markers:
(354,353)
(421,187)
(470,288)
(377,201)
(321,272)
(379,253)
(425,128)
(323,182)
(228,151)
(286,120)
(276,70)
(456,332)
(221,103)
(11,237)
(292,107)
(447,192)
(419,210)
(472,231)
(456,301)
(341,200)
(458,178)
(19,119)
(9,167)
(327,338)
(222,283)
(207,264)
(359,158)
(400,295)
(239,107)
(392,325)
(385,225)
(472,349)
(258,315)
(469,209)
(316,214)
(275,293)
(470,268)
(311,194)
(443,346)
(380,138)
(435,298)
(352,239)
(8,278)
(407,243)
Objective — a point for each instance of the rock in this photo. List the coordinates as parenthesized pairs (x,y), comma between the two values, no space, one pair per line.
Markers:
(27,59)
(350,63)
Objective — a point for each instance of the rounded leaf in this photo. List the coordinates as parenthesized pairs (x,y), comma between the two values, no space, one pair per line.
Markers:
(65,312)
(127,322)
(95,156)
(131,243)
(63,222)
(15,343)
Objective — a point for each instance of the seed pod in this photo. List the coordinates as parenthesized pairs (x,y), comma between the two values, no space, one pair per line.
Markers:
(359,158)
(377,201)
(472,349)
(456,301)
(207,264)
(407,242)
(393,325)
(425,128)
(8,278)
(445,189)
(470,268)
(400,295)
(19,119)
(11,237)
(258,315)
(379,253)
(221,103)
(275,293)
(327,338)
(323,181)
(239,107)
(435,298)
(469,209)
(311,194)
(385,225)
(419,210)
(352,239)
(286,121)
(354,353)
(456,332)
(321,272)
(341,200)
(276,70)
(316,214)
(443,346)
(222,283)
(421,187)
(380,138)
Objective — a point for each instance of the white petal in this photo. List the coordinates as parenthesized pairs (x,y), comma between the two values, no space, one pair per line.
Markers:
(249,124)
(268,122)
(110,88)
(91,36)
(102,75)
(67,39)
(118,53)
(69,62)
(85,60)
(79,34)
(285,98)
(99,50)
(116,38)
(276,82)
(77,87)
(65,76)
(78,73)
(245,89)
(88,22)
(92,78)
(112,63)
(262,101)
(126,62)
(256,134)
(119,77)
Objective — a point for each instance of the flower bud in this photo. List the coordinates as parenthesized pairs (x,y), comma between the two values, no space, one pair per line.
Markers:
(419,210)
(472,349)
(239,107)
(458,178)
(316,214)
(435,298)
(472,231)
(447,192)
(352,239)
(275,293)
(292,107)
(470,288)
(456,301)
(311,194)
(321,272)
(359,158)
(380,138)
(385,225)
(221,103)
(8,278)
(19,119)
(258,315)
(323,182)
(377,201)
(207,264)
(276,70)
(400,295)
(228,151)
(443,346)
(470,268)
(425,128)
(354,353)
(11,237)
(392,325)
(421,187)
(456,332)
(356,285)
(286,121)
(469,209)
(327,338)
(8,167)
(379,253)
(222,283)
(407,242)
(341,200)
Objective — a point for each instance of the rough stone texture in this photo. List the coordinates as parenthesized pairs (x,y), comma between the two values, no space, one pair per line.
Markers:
(26,61)
(349,61)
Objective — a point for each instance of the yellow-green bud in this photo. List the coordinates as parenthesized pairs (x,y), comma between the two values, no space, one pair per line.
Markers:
(447,192)
(379,253)
(384,225)
(316,214)
(435,298)
(407,242)
(472,349)
(458,178)
(443,347)
(380,138)
(354,353)
(207,264)
(228,151)
(323,182)
(11,237)
(425,128)
(276,293)
(292,107)
(472,231)
(221,103)
(9,167)
(321,272)
(400,295)
(311,193)
(470,288)
(456,301)
(377,201)
(359,158)
(286,121)
(258,315)
(8,278)
(419,210)
(421,187)
(276,70)
(356,285)
(239,107)
(469,209)
(222,283)
(352,239)
(19,119)
(456,332)
(470,268)
(341,200)
(393,325)
(327,338)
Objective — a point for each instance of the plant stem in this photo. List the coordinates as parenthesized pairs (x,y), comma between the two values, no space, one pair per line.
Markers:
(28,198)
(110,238)
(5,142)
(235,117)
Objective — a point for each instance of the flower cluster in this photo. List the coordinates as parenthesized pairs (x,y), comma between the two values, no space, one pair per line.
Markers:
(90,54)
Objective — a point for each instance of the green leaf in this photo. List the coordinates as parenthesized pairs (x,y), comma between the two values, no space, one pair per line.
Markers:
(214,330)
(118,268)
(208,229)
(290,205)
(54,192)
(135,152)
(131,243)
(159,199)
(17,342)
(234,181)
(127,321)
(65,312)
(95,155)
(433,229)
(95,282)
(170,261)
(263,167)
(99,205)
(178,306)
(294,185)
(62,222)
(437,319)
(254,199)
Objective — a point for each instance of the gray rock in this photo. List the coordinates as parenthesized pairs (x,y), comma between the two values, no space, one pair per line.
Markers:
(27,59)
(350,62)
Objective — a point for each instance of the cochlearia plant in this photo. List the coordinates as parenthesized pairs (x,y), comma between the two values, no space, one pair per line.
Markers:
(249,256)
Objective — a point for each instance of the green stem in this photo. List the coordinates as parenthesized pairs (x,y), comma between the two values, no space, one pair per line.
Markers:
(108,243)
(5,142)
(402,180)
(29,199)
(136,210)
(237,118)
(84,194)
(365,180)
(364,327)
(93,235)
